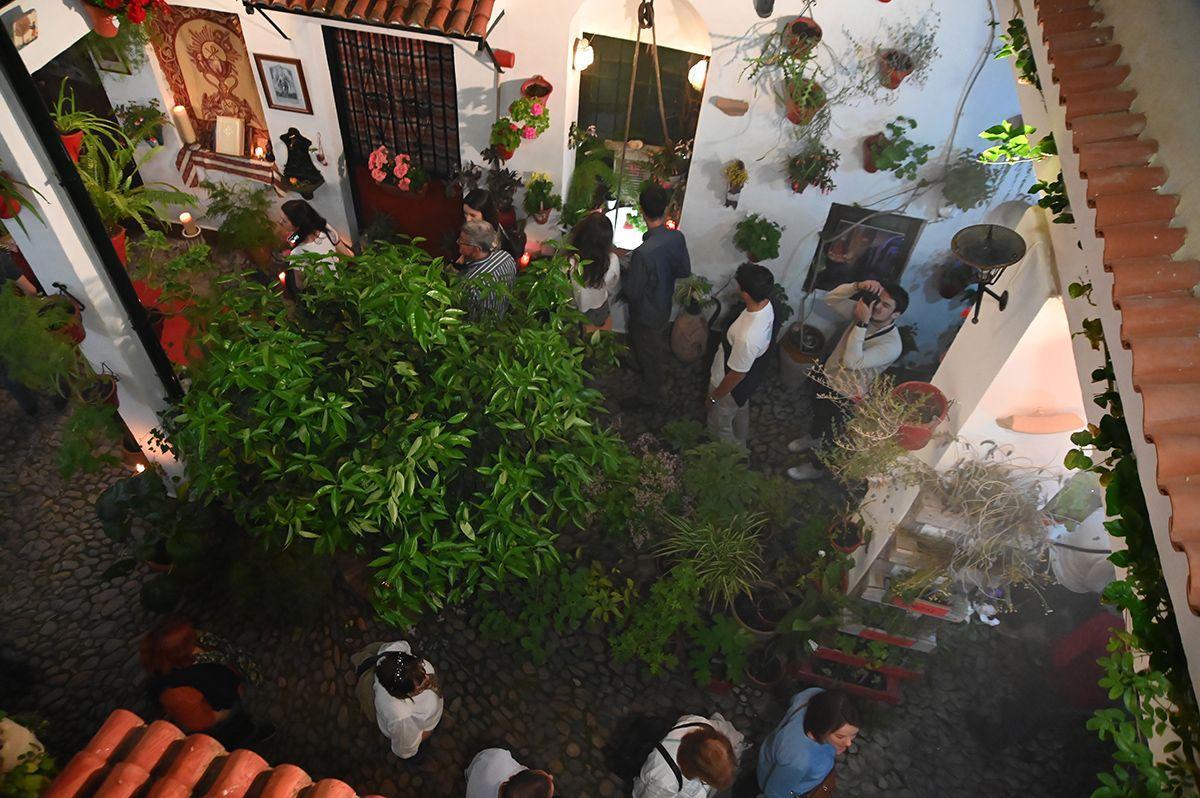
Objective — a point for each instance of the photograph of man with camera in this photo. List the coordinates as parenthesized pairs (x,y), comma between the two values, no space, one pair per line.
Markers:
(866,349)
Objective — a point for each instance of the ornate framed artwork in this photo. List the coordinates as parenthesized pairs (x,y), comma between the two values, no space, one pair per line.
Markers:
(283,83)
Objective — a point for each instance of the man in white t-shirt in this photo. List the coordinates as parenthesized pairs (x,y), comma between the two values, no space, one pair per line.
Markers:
(494,773)
(737,368)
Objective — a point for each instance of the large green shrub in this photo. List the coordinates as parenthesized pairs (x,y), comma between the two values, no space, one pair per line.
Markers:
(377,417)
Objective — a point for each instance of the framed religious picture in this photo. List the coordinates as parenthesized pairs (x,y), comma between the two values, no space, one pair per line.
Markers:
(862,244)
(23,26)
(283,83)
(107,57)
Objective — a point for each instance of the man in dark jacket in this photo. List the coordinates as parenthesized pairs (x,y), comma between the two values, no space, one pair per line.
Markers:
(648,286)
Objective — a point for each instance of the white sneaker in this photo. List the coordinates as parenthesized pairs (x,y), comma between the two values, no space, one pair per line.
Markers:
(802,444)
(805,472)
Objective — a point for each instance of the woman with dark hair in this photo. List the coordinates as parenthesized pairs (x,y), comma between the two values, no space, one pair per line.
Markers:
(400,692)
(479,204)
(310,231)
(594,267)
(796,760)
(697,758)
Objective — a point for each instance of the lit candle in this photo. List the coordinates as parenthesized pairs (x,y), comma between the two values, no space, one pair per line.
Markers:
(183,124)
(283,277)
(190,228)
(139,468)
(258,153)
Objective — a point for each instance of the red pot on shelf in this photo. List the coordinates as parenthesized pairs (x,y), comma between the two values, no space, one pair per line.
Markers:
(542,216)
(9,207)
(104,22)
(118,242)
(72,142)
(916,436)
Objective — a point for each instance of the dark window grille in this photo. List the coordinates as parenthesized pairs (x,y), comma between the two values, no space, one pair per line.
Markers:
(400,93)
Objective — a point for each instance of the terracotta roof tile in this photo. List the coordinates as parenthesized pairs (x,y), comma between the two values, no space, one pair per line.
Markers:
(1101,101)
(1141,240)
(1123,180)
(456,17)
(1106,127)
(1158,315)
(128,759)
(1147,276)
(1108,154)
(1092,57)
(1141,206)
(1090,79)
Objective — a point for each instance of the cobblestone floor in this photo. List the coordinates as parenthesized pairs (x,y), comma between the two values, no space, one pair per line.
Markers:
(77,634)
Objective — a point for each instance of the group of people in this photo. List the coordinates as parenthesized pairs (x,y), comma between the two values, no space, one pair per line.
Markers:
(199,682)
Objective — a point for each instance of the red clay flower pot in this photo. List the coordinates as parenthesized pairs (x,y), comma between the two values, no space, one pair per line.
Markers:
(118,242)
(536,88)
(801,35)
(542,216)
(504,153)
(801,115)
(72,142)
(894,66)
(915,436)
(869,145)
(9,207)
(104,22)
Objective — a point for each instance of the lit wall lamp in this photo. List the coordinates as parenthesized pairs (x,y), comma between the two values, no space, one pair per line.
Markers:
(584,54)
(990,249)
(698,74)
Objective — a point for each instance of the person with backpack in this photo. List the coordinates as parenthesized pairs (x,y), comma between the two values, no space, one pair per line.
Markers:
(796,760)
(740,365)
(399,691)
(696,759)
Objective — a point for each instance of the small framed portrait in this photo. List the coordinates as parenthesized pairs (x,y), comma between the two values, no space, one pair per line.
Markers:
(283,83)
(107,57)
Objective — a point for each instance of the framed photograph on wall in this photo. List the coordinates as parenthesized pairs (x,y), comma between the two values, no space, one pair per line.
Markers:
(107,57)
(862,244)
(283,83)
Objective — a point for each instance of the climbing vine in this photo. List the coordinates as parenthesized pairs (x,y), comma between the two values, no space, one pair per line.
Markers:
(1155,690)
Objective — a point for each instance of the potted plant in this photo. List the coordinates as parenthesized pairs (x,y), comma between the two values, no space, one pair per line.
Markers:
(73,124)
(503,185)
(38,337)
(760,609)
(804,99)
(926,407)
(245,223)
(735,178)
(143,121)
(967,183)
(758,238)
(530,115)
(689,332)
(108,15)
(765,666)
(109,178)
(26,770)
(718,654)
(894,66)
(799,350)
(536,88)
(14,196)
(505,138)
(726,557)
(847,533)
(801,36)
(813,167)
(893,151)
(540,198)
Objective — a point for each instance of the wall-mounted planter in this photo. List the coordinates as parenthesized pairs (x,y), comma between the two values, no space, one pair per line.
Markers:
(801,35)
(871,145)
(73,329)
(732,198)
(894,66)
(846,535)
(730,106)
(118,241)
(537,87)
(916,436)
(103,391)
(72,142)
(9,207)
(802,114)
(505,154)
(104,23)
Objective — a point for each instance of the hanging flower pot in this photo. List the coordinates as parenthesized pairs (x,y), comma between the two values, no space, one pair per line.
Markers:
(72,142)
(801,35)
(118,242)
(505,153)
(846,535)
(9,207)
(931,408)
(871,145)
(536,88)
(805,99)
(72,329)
(103,391)
(894,66)
(104,23)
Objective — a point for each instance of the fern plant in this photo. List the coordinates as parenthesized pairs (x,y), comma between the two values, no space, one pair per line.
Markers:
(108,176)
(694,293)
(244,214)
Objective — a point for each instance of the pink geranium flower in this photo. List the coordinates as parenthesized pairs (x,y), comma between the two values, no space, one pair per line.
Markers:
(378,175)
(529,132)
(401,166)
(377,159)
(403,184)
(514,126)
(536,109)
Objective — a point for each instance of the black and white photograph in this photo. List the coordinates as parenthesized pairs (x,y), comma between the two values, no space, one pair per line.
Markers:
(283,83)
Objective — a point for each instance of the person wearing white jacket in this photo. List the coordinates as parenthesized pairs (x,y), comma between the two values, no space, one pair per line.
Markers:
(697,758)
(400,692)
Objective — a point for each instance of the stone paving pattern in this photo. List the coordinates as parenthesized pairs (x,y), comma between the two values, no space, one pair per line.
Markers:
(76,635)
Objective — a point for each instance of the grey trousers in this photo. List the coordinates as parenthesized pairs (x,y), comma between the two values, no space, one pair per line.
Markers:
(728,422)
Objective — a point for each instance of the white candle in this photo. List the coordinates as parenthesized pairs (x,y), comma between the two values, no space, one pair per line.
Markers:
(185,218)
(183,124)
(190,228)
(258,153)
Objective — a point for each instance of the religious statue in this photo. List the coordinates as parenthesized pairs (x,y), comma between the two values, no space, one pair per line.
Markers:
(300,174)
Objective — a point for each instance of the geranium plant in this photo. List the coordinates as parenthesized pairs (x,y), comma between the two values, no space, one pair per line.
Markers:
(142,121)
(397,170)
(813,167)
(530,115)
(539,195)
(758,237)
(134,11)
(506,136)
(894,151)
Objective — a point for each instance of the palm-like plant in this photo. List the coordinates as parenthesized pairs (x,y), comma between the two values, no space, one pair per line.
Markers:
(727,557)
(69,119)
(108,175)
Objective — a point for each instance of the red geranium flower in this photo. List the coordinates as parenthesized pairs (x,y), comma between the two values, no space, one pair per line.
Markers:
(136,14)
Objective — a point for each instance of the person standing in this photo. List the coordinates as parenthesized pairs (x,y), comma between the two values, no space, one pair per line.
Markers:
(484,266)
(649,285)
(697,758)
(399,691)
(866,349)
(494,773)
(595,271)
(739,365)
(796,760)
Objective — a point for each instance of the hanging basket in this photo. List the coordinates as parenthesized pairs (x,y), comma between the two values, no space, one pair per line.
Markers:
(915,436)
(801,35)
(504,153)
(869,146)
(104,23)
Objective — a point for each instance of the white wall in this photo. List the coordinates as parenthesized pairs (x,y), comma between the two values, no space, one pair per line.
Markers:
(677,24)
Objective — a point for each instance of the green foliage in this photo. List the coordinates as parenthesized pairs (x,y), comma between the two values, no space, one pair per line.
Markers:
(244,211)
(655,621)
(379,415)
(32,352)
(86,438)
(726,558)
(96,130)
(720,487)
(725,641)
(539,194)
(806,93)
(17,191)
(813,167)
(31,777)
(109,176)
(1147,668)
(1013,144)
(593,177)
(142,121)
(1054,199)
(758,237)
(530,112)
(505,135)
(1016,45)
(684,433)
(897,153)
(967,183)
(694,293)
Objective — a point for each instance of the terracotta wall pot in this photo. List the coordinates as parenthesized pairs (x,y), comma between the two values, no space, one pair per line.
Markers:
(503,153)
(894,66)
(802,115)
(916,436)
(801,35)
(72,142)
(537,87)
(9,207)
(104,23)
(869,145)
(843,525)
(118,242)
(689,337)
(73,330)
(104,391)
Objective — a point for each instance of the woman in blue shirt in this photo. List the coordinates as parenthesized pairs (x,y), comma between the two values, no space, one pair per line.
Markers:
(798,756)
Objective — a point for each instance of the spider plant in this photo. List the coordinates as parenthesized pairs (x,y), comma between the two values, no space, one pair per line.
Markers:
(15,194)
(109,177)
(69,119)
(727,557)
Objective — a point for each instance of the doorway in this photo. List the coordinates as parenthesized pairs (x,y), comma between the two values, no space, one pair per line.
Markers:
(398,93)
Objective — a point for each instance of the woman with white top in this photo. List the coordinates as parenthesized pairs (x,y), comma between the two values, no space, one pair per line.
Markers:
(695,760)
(400,692)
(311,234)
(595,269)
